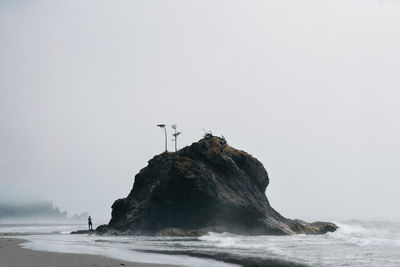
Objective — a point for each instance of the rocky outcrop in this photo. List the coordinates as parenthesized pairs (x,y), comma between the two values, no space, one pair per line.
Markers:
(208,186)
(80,232)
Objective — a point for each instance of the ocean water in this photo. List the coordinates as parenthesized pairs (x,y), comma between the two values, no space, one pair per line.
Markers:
(356,243)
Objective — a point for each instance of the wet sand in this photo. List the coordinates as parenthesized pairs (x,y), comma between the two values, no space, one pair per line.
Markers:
(12,255)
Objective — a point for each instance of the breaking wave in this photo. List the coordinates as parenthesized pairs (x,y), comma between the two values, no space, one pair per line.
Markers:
(355,243)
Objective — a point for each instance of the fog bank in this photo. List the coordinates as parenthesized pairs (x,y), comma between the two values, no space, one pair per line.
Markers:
(310,88)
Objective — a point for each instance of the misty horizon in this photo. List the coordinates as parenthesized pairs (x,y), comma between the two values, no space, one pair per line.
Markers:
(37,212)
(308,88)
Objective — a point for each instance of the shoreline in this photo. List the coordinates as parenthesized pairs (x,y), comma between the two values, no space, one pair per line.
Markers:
(13,255)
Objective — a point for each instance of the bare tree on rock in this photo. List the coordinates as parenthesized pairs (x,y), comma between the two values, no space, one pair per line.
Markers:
(165,132)
(176,134)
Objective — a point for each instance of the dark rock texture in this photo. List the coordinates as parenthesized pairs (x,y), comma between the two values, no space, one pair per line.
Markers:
(80,232)
(208,186)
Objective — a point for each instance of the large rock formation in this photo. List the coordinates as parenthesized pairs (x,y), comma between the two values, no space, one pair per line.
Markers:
(208,186)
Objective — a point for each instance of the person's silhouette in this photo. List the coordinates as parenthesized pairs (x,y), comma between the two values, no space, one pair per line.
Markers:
(90,223)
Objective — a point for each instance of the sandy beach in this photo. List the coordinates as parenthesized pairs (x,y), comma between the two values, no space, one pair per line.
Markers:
(12,255)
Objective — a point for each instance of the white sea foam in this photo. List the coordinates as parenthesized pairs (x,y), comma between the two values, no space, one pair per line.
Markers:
(56,238)
(88,246)
(356,243)
(40,228)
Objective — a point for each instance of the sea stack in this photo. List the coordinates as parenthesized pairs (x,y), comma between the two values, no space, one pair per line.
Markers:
(207,186)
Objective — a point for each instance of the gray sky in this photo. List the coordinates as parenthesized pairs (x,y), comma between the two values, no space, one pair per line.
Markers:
(310,88)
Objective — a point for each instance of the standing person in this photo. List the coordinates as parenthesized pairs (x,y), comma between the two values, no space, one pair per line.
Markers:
(90,223)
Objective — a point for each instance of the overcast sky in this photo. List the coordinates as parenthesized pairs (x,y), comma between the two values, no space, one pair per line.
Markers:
(310,88)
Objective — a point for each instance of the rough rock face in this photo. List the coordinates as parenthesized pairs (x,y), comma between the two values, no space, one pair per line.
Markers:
(80,232)
(208,186)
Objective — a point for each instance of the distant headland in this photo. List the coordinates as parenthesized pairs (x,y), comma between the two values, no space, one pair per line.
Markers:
(40,211)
